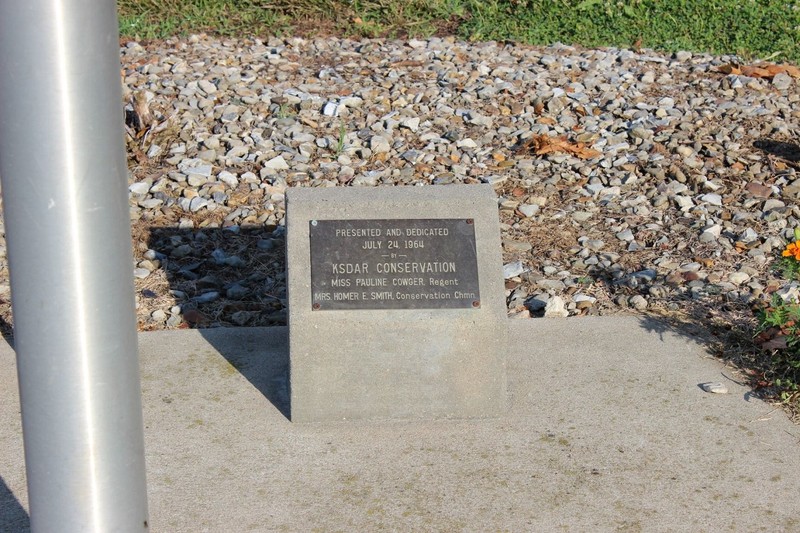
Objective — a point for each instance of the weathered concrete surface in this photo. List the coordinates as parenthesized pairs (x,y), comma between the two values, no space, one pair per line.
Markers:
(396,363)
(607,430)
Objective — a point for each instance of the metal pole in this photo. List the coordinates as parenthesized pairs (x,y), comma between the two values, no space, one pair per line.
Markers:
(63,171)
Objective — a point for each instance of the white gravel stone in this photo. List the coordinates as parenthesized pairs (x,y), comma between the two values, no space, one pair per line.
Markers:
(715,388)
(512,270)
(207,87)
(625,235)
(139,188)
(711,198)
(782,81)
(228,179)
(737,278)
(276,163)
(711,233)
(638,302)
(379,144)
(411,123)
(555,308)
(529,210)
(466,143)
(330,109)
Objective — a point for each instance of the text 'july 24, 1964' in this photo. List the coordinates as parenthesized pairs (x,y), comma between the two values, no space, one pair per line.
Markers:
(393,264)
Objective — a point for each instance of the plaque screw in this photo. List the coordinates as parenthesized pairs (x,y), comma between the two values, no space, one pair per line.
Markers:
(313,222)
(469,221)
(476,303)
(316,307)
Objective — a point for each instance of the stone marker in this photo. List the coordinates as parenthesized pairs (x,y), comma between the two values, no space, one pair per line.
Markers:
(396,305)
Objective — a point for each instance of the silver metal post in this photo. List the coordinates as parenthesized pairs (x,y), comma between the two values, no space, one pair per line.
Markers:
(63,171)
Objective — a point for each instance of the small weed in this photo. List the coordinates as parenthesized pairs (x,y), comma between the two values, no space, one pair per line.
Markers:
(284,111)
(340,141)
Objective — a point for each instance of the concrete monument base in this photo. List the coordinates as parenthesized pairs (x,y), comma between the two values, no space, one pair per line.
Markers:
(354,355)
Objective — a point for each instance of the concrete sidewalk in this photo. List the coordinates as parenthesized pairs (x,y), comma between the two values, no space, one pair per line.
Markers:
(607,430)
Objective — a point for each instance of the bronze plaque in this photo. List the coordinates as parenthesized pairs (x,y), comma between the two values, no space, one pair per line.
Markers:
(393,264)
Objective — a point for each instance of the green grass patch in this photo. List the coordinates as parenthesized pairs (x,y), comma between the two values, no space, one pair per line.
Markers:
(749,28)
(152,19)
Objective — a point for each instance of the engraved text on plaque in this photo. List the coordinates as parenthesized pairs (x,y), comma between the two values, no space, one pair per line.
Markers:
(393,264)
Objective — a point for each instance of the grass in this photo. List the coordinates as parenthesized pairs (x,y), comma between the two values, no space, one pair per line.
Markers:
(749,28)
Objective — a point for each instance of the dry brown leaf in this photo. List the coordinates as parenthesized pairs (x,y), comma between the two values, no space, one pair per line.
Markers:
(792,71)
(756,72)
(308,122)
(730,68)
(408,63)
(143,117)
(545,144)
(705,261)
(760,70)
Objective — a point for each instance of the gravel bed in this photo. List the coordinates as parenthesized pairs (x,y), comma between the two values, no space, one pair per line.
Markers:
(627,180)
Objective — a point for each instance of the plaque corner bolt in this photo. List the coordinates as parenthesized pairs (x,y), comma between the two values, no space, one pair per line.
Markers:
(316,307)
(476,303)
(470,221)
(313,222)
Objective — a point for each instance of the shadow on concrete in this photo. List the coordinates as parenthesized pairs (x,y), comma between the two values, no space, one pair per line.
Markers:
(724,325)
(263,359)
(13,517)
(661,324)
(726,333)
(233,277)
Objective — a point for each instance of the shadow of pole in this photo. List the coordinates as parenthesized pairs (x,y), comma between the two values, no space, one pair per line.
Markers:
(13,516)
